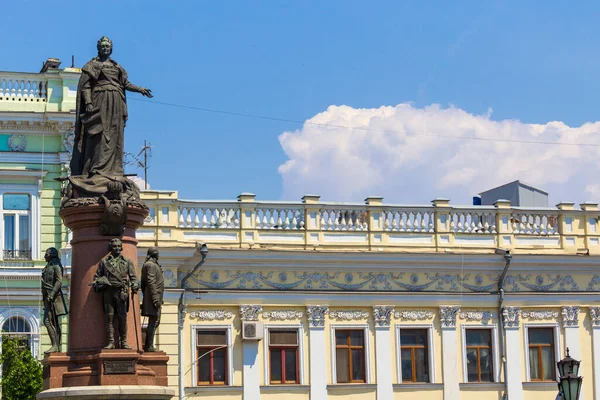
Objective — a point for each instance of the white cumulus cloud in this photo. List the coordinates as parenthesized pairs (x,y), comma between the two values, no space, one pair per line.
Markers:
(412,155)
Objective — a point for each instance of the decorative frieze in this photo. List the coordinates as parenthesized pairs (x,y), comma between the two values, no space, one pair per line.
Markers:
(348,315)
(570,316)
(448,316)
(17,142)
(413,315)
(477,316)
(595,316)
(211,315)
(540,314)
(282,315)
(316,315)
(250,313)
(510,317)
(382,315)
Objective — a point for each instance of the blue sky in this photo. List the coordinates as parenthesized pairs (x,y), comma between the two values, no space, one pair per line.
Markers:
(534,62)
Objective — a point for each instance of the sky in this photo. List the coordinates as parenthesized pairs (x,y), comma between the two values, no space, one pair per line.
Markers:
(409,100)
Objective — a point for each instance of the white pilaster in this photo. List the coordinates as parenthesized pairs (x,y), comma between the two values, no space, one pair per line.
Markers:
(514,375)
(317,352)
(570,322)
(595,318)
(251,371)
(450,352)
(383,356)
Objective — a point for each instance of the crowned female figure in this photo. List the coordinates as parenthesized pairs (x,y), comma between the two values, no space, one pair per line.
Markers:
(101,115)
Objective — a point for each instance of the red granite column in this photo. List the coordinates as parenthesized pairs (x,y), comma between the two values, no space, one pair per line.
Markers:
(87,330)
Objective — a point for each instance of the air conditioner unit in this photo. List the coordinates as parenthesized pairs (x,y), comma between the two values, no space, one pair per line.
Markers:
(252,330)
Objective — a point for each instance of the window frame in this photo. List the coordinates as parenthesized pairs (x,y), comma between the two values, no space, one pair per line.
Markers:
(34,213)
(228,359)
(430,352)
(31,316)
(495,355)
(267,354)
(366,346)
(557,348)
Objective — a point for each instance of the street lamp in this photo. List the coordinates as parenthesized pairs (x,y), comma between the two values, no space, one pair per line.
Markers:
(569,384)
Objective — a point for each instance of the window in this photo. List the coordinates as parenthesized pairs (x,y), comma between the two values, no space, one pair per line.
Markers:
(211,350)
(350,356)
(479,358)
(18,327)
(17,226)
(414,356)
(542,365)
(283,357)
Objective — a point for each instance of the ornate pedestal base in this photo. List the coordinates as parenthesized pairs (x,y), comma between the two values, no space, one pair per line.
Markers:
(105,367)
(121,392)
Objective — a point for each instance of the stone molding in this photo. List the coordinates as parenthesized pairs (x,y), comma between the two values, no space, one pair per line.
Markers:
(382,315)
(510,317)
(316,316)
(570,316)
(250,312)
(448,316)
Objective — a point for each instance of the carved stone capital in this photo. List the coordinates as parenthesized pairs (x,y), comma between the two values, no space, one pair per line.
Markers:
(382,315)
(510,317)
(570,316)
(250,313)
(316,315)
(182,311)
(595,316)
(448,316)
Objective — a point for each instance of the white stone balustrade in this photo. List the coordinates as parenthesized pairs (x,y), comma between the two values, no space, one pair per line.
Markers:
(314,224)
(22,87)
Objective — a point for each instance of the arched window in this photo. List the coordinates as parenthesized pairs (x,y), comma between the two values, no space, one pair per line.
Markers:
(18,327)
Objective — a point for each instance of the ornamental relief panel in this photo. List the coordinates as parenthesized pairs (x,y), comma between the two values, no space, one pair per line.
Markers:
(211,315)
(348,315)
(476,316)
(413,315)
(282,315)
(539,314)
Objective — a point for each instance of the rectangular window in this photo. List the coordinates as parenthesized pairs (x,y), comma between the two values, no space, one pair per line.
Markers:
(542,365)
(479,357)
(17,226)
(211,356)
(283,357)
(414,356)
(350,356)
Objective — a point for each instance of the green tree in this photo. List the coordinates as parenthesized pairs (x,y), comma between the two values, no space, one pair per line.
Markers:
(22,377)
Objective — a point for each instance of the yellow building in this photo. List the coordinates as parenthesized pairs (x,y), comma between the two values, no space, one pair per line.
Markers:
(314,300)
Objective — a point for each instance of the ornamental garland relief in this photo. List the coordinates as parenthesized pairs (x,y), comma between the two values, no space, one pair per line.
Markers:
(282,315)
(540,314)
(211,315)
(477,315)
(413,315)
(349,315)
(17,142)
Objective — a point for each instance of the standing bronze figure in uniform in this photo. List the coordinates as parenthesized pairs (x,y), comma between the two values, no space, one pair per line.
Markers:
(101,115)
(153,287)
(114,277)
(54,302)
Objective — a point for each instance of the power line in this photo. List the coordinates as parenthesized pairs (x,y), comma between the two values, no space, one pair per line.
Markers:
(264,117)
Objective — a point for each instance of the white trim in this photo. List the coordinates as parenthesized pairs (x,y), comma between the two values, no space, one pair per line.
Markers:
(494,344)
(557,348)
(29,158)
(227,328)
(31,316)
(34,213)
(430,351)
(283,327)
(367,345)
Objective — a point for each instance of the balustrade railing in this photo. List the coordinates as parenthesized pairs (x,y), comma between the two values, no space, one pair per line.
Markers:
(528,227)
(22,87)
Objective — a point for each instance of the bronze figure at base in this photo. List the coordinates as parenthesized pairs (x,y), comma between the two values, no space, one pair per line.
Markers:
(114,277)
(153,287)
(54,302)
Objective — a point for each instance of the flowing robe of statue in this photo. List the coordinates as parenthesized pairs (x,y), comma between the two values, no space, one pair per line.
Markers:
(99,136)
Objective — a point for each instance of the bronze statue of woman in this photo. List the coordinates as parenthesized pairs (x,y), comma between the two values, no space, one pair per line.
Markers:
(101,115)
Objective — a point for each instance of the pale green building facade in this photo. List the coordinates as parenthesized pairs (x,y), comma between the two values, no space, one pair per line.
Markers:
(37,115)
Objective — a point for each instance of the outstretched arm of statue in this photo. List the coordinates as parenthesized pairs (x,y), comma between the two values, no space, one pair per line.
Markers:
(138,89)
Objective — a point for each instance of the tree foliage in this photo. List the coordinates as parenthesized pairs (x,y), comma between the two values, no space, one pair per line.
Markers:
(22,377)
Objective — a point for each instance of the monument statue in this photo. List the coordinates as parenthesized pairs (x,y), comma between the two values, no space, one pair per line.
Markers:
(153,286)
(114,277)
(101,114)
(54,302)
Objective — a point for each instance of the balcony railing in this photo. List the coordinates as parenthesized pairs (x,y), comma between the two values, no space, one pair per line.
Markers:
(16,254)
(372,225)
(24,87)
